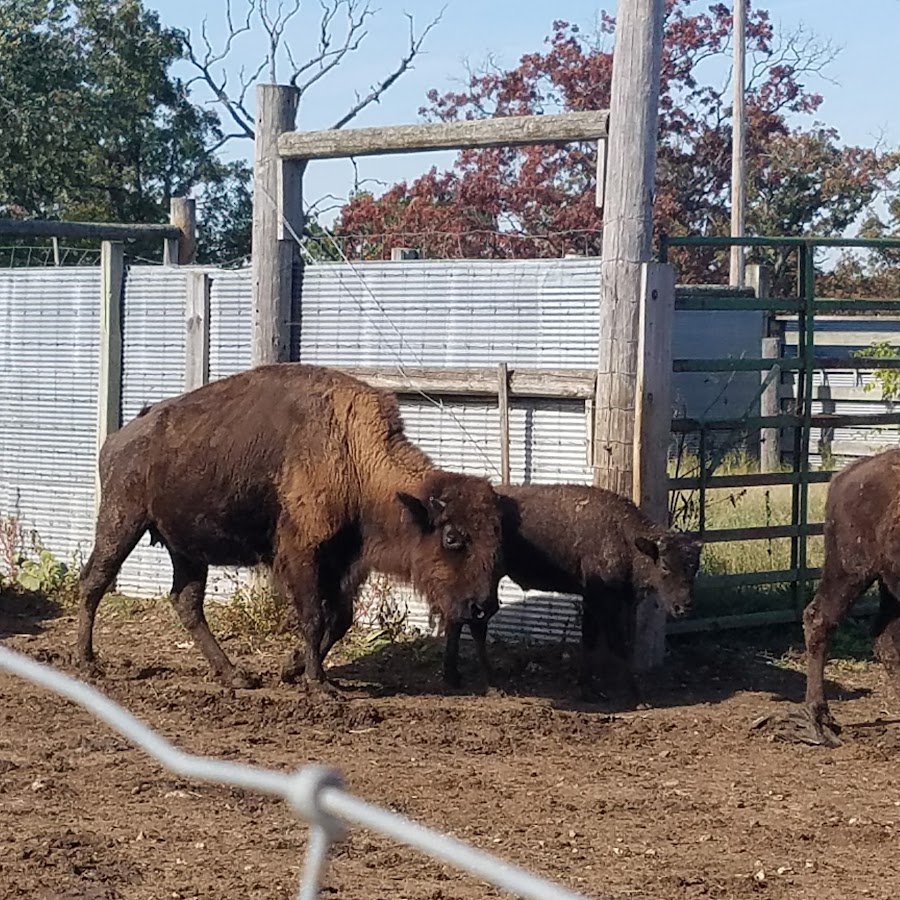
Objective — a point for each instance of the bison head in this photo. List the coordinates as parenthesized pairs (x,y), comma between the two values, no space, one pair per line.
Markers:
(455,551)
(673,563)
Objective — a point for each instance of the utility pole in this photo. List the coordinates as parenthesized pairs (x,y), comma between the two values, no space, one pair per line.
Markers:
(739,38)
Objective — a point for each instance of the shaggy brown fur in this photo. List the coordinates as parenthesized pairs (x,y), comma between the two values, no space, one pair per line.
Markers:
(862,546)
(577,539)
(302,468)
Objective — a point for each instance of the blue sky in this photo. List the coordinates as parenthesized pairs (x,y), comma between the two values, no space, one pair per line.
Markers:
(861,99)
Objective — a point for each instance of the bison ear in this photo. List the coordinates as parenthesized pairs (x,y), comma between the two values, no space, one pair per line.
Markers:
(421,515)
(647,547)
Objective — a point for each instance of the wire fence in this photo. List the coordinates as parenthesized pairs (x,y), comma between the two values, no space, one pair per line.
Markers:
(19,256)
(314,792)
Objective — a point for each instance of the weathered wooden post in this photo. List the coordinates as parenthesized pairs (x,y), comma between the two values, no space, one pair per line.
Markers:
(196,348)
(277,223)
(182,251)
(759,278)
(627,235)
(109,383)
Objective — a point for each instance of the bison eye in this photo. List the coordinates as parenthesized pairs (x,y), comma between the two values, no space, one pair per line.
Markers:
(452,539)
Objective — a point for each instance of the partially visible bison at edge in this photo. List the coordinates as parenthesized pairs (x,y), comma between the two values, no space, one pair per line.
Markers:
(579,539)
(862,546)
(303,468)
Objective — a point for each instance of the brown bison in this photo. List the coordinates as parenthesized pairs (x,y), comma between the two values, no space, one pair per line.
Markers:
(302,468)
(862,546)
(576,539)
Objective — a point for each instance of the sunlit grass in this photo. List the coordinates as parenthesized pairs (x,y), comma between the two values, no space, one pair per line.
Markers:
(745,507)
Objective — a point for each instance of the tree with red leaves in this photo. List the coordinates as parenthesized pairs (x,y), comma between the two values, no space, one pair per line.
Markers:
(540,201)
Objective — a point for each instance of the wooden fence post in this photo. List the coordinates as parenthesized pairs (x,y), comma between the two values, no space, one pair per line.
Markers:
(109,385)
(182,251)
(277,223)
(652,432)
(196,356)
(627,233)
(503,408)
(759,278)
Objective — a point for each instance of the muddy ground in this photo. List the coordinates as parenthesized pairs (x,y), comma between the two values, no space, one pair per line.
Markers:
(681,800)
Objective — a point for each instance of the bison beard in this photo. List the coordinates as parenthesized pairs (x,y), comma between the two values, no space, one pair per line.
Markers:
(306,470)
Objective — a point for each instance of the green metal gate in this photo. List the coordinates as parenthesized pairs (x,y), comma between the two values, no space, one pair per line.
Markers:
(804,305)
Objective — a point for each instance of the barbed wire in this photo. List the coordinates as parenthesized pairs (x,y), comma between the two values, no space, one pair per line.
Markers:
(453,244)
(23,256)
(439,404)
(314,792)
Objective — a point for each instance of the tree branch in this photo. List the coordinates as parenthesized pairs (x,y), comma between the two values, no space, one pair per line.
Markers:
(327,58)
(375,94)
(205,64)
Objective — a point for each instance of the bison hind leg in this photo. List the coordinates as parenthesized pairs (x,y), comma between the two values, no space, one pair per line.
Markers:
(188,589)
(886,631)
(117,534)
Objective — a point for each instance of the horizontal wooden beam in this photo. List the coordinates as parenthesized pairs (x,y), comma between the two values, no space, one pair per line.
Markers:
(563,384)
(824,393)
(504,131)
(855,449)
(104,231)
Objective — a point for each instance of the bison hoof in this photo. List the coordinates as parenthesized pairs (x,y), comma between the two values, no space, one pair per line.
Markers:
(90,668)
(824,723)
(453,679)
(325,688)
(591,694)
(244,680)
(293,668)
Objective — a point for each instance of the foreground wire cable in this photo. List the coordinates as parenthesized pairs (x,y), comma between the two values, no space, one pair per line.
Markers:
(314,792)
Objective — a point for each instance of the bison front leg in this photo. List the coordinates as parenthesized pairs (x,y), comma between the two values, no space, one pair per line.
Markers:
(451,655)
(188,589)
(479,631)
(117,534)
(323,618)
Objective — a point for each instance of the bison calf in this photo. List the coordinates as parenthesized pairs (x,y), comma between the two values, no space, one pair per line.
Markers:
(304,469)
(862,546)
(576,539)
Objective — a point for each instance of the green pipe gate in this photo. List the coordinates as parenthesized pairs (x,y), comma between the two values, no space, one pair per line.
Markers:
(804,305)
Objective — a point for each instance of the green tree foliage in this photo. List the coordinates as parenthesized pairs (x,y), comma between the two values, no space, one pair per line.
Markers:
(539,201)
(94,125)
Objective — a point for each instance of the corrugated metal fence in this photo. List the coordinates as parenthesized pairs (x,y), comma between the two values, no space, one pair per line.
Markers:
(540,313)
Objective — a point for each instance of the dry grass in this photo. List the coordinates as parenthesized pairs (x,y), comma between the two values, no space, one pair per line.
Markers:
(746,508)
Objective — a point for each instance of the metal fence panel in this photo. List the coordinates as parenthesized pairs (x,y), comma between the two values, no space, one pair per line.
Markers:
(230,321)
(49,350)
(153,350)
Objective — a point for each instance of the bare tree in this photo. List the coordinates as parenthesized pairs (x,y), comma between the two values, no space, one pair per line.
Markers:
(342,28)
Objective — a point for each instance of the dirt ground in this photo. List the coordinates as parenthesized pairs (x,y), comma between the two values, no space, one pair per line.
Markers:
(681,800)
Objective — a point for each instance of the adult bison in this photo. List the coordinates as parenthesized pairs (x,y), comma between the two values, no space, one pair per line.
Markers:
(577,539)
(305,469)
(862,546)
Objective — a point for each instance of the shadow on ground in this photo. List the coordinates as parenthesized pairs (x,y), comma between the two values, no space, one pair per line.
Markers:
(24,612)
(698,669)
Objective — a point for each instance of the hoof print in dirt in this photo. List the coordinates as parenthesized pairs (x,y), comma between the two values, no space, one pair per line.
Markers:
(800,726)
